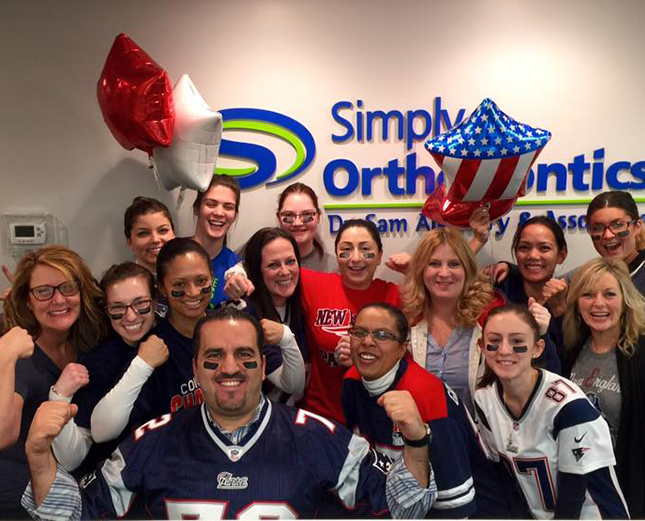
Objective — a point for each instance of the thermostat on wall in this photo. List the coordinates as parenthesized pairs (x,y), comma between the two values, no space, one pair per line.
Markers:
(28,233)
(23,232)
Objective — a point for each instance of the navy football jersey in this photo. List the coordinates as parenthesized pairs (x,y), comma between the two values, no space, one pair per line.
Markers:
(105,364)
(172,385)
(465,480)
(440,408)
(184,468)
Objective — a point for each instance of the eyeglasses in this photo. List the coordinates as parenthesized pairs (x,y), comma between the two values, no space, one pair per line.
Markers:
(46,291)
(379,335)
(305,217)
(617,227)
(139,306)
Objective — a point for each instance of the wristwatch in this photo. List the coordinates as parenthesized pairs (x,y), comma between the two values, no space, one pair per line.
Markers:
(422,442)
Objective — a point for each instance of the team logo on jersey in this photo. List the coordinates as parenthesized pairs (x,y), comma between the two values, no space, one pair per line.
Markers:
(381,461)
(509,444)
(334,321)
(234,452)
(161,310)
(579,452)
(87,479)
(397,438)
(226,481)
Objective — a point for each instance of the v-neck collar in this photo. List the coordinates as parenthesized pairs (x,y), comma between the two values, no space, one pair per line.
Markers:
(256,428)
(529,402)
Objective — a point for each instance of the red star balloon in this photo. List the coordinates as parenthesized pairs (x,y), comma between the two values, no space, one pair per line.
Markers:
(135,96)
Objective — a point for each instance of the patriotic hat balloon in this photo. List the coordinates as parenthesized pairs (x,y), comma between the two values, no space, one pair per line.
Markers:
(485,160)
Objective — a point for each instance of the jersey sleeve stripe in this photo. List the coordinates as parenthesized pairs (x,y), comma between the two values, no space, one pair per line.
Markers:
(349,475)
(481,416)
(121,496)
(448,502)
(458,490)
(574,413)
(603,487)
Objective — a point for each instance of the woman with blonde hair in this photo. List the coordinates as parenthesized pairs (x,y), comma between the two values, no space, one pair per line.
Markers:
(604,333)
(446,300)
(55,301)
(443,298)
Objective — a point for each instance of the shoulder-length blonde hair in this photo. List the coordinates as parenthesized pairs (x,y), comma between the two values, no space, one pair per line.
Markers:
(576,331)
(477,293)
(91,325)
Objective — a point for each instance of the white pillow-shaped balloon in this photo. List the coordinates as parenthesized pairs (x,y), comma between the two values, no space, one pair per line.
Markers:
(190,160)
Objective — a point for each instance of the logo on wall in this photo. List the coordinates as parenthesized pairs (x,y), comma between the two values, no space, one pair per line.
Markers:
(264,161)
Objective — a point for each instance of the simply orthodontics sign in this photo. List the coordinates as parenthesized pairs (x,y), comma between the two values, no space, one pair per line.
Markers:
(351,186)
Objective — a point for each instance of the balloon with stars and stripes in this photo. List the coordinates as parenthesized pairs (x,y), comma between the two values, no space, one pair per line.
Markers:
(485,160)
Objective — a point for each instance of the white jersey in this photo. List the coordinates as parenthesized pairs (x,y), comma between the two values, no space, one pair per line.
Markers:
(558,431)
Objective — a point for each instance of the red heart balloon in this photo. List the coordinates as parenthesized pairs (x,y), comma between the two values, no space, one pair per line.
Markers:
(135,96)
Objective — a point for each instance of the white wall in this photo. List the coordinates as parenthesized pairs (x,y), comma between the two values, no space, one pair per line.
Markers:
(572,67)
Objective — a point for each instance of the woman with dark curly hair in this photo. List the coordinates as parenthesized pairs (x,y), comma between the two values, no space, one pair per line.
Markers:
(55,301)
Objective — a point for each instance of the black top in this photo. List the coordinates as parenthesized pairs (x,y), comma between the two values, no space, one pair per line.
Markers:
(513,289)
(34,376)
(630,449)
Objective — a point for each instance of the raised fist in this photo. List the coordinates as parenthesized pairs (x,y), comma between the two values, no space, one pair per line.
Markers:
(49,420)
(16,343)
(73,377)
(153,351)
(343,352)
(402,410)
(273,331)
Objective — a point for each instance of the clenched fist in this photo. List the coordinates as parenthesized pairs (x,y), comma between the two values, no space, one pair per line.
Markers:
(343,352)
(73,377)
(555,295)
(540,314)
(49,420)
(16,343)
(153,351)
(273,331)
(402,410)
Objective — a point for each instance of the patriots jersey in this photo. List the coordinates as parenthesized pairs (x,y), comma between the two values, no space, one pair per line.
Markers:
(183,467)
(172,385)
(453,438)
(558,431)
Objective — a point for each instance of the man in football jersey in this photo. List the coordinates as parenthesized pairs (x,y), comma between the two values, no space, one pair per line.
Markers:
(236,456)
(381,364)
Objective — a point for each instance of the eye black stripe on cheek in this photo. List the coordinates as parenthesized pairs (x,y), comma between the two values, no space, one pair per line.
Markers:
(250,365)
(210,365)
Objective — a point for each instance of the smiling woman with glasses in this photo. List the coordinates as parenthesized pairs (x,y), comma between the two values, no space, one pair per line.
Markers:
(618,233)
(299,214)
(55,301)
(129,290)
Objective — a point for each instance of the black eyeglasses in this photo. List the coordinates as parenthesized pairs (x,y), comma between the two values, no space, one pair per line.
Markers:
(618,227)
(379,335)
(139,306)
(46,291)
(305,217)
